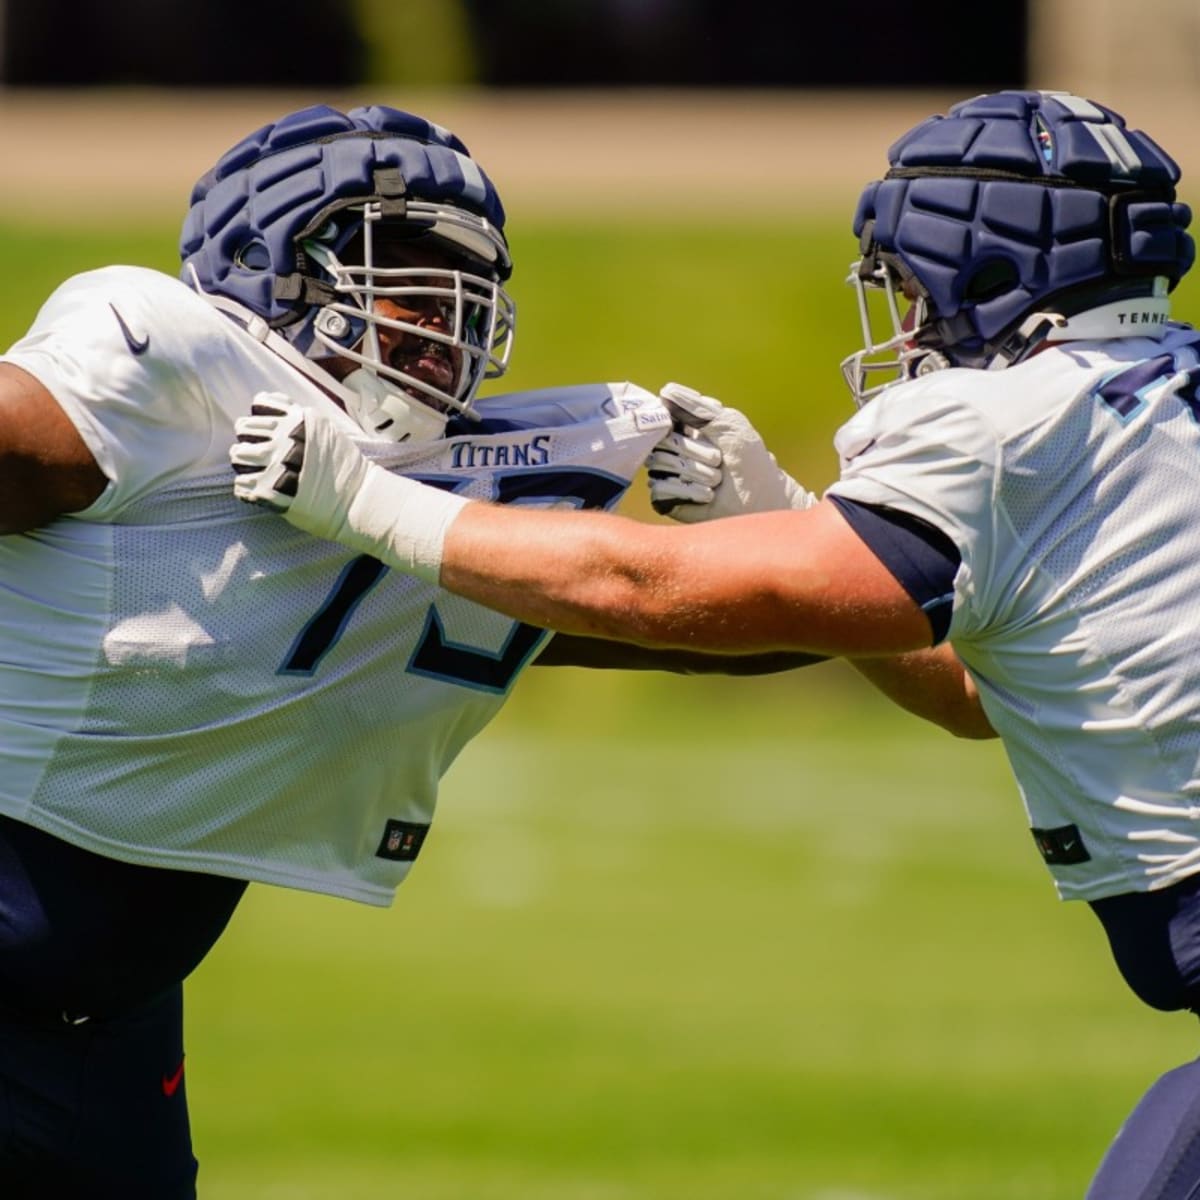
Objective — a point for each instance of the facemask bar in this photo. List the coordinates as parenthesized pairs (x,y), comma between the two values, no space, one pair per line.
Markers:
(902,355)
(478,314)
(1142,313)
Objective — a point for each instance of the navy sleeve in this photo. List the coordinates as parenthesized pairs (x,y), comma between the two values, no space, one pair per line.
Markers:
(922,558)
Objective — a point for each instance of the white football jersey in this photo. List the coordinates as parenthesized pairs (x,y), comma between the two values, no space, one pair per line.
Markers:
(1071,486)
(186,680)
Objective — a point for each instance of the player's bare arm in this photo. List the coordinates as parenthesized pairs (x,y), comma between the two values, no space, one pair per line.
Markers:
(793,582)
(796,580)
(932,684)
(800,581)
(45,467)
(568,650)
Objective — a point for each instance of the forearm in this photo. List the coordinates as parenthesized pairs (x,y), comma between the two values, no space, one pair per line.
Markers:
(563,650)
(792,581)
(781,581)
(931,684)
(590,574)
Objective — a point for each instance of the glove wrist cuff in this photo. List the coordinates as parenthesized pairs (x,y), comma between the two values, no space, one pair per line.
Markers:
(402,523)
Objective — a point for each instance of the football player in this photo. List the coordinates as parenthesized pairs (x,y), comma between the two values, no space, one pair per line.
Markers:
(193,694)
(1011,548)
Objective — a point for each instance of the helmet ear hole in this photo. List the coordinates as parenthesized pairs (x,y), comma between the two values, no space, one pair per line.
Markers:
(254,256)
(991,280)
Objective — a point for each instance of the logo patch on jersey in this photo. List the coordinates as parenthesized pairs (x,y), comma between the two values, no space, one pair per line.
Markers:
(1062,846)
(402,840)
(136,345)
(651,418)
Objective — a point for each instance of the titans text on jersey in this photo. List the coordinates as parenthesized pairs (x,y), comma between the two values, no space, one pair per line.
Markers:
(532,452)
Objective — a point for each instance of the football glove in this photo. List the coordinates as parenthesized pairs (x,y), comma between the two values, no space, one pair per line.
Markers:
(297,461)
(714,464)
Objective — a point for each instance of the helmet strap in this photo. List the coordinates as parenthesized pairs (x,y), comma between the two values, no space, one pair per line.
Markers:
(1130,316)
(1030,335)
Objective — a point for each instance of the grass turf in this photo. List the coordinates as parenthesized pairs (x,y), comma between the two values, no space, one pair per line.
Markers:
(801,952)
(672,938)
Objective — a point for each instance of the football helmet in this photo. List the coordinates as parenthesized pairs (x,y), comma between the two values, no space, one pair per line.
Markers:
(1017,218)
(289,233)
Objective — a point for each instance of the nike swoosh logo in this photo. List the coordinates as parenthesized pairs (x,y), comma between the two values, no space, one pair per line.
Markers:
(170,1083)
(857,454)
(136,345)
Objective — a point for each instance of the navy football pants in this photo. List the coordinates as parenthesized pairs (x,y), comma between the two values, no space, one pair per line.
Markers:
(1155,939)
(93,1104)
(96,1110)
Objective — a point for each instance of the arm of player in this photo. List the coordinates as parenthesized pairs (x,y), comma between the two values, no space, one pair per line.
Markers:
(714,464)
(768,582)
(791,583)
(932,684)
(779,581)
(45,467)
(277,441)
(782,582)
(567,650)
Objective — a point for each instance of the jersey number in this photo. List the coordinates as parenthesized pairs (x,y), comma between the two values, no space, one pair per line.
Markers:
(1124,393)
(435,656)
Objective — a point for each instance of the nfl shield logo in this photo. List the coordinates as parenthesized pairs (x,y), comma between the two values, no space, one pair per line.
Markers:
(401,840)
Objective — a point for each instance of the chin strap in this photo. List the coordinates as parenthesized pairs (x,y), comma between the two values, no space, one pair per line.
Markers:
(389,414)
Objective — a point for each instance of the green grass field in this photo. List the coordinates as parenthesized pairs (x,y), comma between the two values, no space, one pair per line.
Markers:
(672,938)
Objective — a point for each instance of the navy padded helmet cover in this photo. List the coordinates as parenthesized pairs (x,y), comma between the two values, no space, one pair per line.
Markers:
(957,207)
(240,232)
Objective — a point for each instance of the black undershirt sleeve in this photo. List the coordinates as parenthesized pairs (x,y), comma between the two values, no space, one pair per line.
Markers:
(920,556)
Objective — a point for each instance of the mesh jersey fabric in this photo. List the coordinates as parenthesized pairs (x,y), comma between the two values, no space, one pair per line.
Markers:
(1068,484)
(158,700)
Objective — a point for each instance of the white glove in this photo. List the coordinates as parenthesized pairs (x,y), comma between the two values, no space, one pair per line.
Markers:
(297,461)
(714,464)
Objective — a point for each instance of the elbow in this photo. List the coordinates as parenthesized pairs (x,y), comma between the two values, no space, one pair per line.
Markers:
(974,734)
(971,726)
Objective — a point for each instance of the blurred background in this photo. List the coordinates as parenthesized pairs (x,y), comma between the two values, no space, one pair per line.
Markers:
(670,937)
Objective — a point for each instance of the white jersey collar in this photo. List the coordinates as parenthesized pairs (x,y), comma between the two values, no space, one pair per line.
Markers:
(1137,316)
